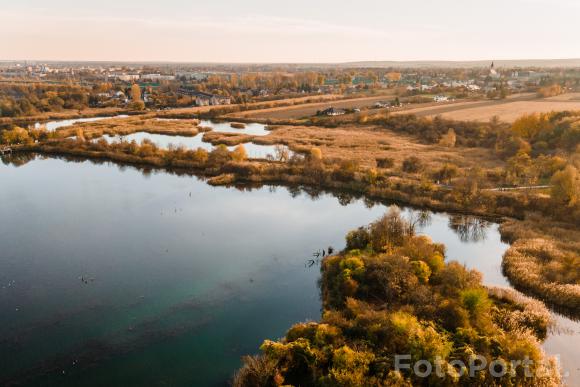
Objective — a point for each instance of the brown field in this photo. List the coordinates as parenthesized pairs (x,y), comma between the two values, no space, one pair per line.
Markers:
(565,97)
(307,110)
(507,110)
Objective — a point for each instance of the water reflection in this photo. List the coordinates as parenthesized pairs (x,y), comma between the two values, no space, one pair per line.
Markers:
(469,228)
(17,159)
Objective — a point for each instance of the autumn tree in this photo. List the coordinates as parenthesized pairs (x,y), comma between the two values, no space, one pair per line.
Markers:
(239,153)
(15,136)
(529,126)
(135,92)
(80,133)
(521,170)
(449,139)
(282,153)
(566,186)
(550,91)
(315,154)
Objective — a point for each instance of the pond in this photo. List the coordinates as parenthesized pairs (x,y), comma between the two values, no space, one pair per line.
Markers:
(53,125)
(252,129)
(163,141)
(110,276)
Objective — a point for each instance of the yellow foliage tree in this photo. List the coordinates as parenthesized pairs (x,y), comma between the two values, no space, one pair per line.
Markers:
(449,139)
(550,91)
(530,126)
(135,92)
(566,185)
(15,136)
(315,154)
(80,134)
(239,153)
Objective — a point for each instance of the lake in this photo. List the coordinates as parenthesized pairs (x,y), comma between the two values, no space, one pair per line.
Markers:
(111,276)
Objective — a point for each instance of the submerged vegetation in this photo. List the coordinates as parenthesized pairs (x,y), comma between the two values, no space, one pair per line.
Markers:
(391,294)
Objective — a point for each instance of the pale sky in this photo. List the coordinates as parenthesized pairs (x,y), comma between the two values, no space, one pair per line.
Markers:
(288,31)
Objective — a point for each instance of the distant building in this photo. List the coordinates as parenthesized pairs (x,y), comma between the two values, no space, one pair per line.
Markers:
(493,73)
(125,77)
(381,104)
(205,99)
(440,98)
(158,77)
(331,112)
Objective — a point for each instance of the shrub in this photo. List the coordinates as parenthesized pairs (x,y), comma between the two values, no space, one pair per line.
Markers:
(385,162)
(358,239)
(220,155)
(448,139)
(346,170)
(566,186)
(15,136)
(422,271)
(315,154)
(389,231)
(412,165)
(257,371)
(349,367)
(239,153)
(446,173)
(199,155)
(476,302)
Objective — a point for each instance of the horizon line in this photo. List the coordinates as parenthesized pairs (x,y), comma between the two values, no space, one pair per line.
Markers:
(395,61)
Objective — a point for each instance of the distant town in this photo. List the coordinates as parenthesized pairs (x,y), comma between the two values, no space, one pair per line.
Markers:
(99,85)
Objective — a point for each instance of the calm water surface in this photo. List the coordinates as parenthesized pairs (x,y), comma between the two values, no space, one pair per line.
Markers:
(53,125)
(252,129)
(256,151)
(109,276)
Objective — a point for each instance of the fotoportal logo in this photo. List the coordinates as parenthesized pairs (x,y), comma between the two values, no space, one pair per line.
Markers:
(497,368)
